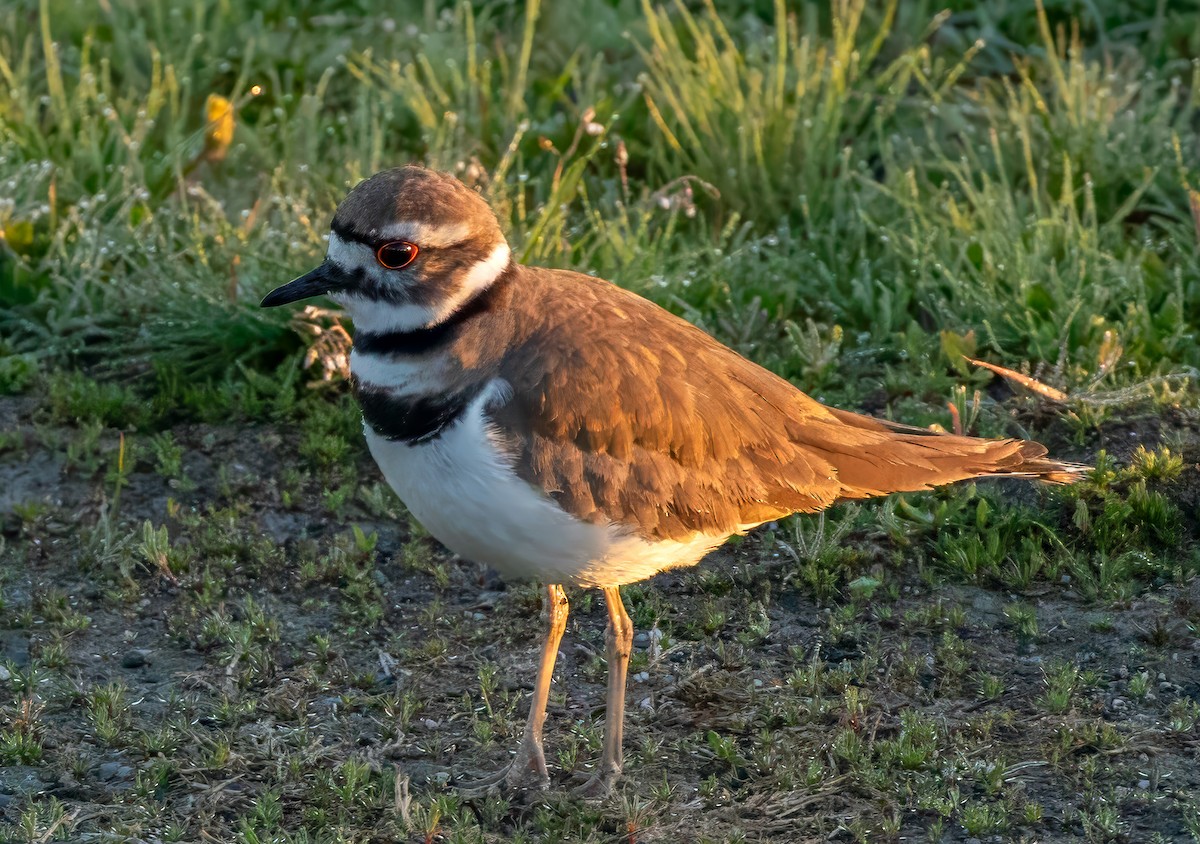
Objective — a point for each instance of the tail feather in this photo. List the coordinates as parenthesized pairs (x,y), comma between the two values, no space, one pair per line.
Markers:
(910,459)
(1035,464)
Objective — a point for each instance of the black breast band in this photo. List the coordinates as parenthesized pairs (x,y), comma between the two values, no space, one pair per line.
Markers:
(412,419)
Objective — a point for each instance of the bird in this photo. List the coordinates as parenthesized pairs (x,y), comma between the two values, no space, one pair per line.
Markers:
(560,428)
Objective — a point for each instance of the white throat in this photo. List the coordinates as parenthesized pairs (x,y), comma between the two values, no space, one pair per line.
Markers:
(385,317)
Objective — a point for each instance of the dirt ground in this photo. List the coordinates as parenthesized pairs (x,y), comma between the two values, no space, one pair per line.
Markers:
(278,672)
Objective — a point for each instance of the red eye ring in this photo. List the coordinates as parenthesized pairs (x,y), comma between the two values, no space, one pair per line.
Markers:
(396,255)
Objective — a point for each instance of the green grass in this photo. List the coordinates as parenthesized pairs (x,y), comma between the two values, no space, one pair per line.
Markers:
(854,167)
(853,194)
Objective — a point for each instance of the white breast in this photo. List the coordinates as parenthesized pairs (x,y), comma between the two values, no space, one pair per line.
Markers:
(464,491)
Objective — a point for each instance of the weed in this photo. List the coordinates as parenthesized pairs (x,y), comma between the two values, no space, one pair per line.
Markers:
(168,455)
(983,819)
(20,740)
(1061,680)
(108,712)
(1024,620)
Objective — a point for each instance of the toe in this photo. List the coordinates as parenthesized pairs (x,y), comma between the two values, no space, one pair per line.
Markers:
(526,772)
(526,780)
(528,769)
(598,785)
(479,786)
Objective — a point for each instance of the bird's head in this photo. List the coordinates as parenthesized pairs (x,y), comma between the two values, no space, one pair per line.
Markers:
(407,247)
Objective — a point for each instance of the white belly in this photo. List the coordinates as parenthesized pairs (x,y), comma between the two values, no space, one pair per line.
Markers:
(464,492)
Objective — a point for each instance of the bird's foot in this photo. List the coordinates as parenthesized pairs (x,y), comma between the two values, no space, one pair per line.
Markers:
(526,772)
(599,784)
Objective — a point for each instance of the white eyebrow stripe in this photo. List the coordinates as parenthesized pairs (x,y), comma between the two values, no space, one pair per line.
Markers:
(480,277)
(424,234)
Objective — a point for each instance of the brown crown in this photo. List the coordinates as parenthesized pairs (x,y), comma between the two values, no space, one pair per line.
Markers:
(413,193)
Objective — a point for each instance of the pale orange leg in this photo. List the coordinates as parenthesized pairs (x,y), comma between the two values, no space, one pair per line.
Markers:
(619,642)
(528,767)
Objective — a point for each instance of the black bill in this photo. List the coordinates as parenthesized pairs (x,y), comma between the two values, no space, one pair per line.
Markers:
(326,278)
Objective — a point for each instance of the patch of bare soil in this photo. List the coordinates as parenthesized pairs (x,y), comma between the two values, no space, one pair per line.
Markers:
(277,651)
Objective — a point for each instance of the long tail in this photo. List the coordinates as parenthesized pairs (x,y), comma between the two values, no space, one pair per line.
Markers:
(909,459)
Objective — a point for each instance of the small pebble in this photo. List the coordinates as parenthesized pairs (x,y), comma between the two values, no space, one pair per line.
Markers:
(1144,785)
(1119,703)
(5,674)
(134,659)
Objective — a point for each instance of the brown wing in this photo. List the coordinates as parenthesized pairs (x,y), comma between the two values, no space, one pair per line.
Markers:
(629,414)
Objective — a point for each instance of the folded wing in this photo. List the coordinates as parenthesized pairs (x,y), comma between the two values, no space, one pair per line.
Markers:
(657,426)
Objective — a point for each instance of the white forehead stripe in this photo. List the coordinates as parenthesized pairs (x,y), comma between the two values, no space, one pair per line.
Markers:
(424,234)
(350,254)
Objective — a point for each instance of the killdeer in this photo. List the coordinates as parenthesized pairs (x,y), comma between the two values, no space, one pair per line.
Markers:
(560,428)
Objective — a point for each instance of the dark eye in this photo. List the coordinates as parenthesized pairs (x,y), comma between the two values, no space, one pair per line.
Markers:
(397,254)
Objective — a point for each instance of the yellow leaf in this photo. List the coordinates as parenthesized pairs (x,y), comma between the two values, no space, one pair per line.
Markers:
(219,126)
(19,235)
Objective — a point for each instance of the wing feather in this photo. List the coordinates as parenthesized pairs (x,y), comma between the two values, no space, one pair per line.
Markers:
(628,414)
